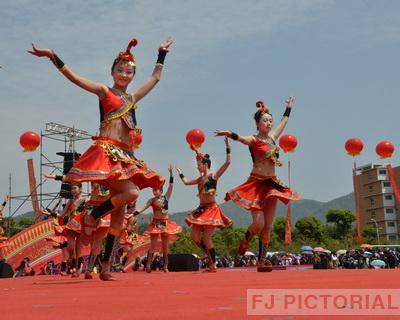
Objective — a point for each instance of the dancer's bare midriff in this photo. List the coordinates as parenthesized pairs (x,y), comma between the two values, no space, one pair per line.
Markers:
(116,130)
(264,168)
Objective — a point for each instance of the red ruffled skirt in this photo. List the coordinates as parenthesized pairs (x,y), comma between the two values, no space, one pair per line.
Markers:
(208,215)
(161,226)
(129,242)
(104,222)
(57,240)
(253,194)
(75,223)
(108,160)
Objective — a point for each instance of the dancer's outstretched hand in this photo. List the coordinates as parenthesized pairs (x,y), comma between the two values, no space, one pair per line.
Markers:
(219,133)
(49,176)
(165,45)
(179,170)
(170,170)
(289,102)
(38,52)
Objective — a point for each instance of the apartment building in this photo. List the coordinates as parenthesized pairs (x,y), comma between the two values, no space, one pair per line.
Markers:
(376,199)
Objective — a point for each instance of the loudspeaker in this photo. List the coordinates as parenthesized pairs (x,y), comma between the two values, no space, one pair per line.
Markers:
(182,262)
(5,270)
(69,159)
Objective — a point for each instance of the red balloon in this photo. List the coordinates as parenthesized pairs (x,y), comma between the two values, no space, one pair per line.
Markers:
(195,137)
(29,141)
(354,146)
(288,143)
(384,149)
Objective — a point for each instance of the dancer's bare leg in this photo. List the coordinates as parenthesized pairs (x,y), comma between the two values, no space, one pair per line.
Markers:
(207,238)
(165,244)
(255,228)
(265,236)
(112,239)
(153,244)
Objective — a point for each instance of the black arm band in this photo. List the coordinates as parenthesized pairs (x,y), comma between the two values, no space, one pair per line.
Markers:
(287,112)
(228,150)
(161,56)
(234,136)
(59,178)
(57,62)
(171,179)
(4,204)
(181,175)
(136,213)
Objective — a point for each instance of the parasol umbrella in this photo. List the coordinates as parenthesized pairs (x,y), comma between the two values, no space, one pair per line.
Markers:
(319,249)
(307,253)
(365,245)
(306,248)
(249,253)
(378,263)
(341,251)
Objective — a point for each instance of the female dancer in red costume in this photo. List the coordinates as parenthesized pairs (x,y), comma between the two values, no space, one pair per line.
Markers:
(160,225)
(60,237)
(72,216)
(110,160)
(99,233)
(208,215)
(259,194)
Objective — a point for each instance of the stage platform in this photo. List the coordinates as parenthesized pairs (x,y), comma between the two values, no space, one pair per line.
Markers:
(174,295)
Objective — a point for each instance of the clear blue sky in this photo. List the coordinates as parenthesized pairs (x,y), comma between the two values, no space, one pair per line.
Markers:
(339,58)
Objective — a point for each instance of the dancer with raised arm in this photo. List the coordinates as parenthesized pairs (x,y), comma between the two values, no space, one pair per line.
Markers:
(259,194)
(160,224)
(110,160)
(208,215)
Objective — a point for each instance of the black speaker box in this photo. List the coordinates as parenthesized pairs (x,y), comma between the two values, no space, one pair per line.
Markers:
(5,270)
(69,159)
(182,262)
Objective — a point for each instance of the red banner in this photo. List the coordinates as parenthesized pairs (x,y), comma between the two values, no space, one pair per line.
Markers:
(32,190)
(393,183)
(288,225)
(356,196)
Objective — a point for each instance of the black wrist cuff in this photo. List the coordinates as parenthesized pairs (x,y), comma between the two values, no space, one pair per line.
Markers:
(161,56)
(4,203)
(136,213)
(171,179)
(59,178)
(181,175)
(287,112)
(234,136)
(57,62)
(228,150)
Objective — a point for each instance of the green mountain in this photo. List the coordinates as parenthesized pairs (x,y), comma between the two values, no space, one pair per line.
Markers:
(241,218)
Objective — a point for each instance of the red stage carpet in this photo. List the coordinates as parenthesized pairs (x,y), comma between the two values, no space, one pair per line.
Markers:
(176,295)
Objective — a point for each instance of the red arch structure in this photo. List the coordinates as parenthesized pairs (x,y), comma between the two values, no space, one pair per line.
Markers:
(32,243)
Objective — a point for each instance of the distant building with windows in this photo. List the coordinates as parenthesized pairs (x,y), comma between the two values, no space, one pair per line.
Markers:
(376,199)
